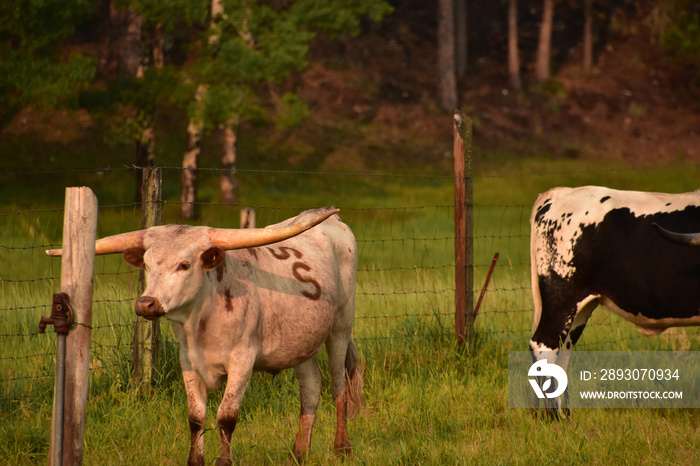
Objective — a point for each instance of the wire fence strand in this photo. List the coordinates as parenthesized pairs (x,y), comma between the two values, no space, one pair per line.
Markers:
(405,280)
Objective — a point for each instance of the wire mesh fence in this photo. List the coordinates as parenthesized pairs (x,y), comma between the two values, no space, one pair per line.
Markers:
(404,227)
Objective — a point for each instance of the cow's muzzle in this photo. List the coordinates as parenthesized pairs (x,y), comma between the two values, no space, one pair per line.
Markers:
(149,307)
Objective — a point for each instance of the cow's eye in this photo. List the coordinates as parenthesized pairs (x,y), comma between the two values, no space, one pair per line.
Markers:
(183,266)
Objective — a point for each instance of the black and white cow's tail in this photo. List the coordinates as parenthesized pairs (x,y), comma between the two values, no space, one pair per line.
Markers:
(353,371)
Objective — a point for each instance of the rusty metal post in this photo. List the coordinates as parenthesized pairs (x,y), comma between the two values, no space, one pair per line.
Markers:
(464,226)
(62,320)
(486,285)
(77,269)
(59,401)
(146,347)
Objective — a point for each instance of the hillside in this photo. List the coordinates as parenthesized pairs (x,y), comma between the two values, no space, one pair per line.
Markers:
(637,106)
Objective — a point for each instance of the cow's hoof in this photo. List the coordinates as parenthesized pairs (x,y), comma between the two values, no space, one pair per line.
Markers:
(300,455)
(224,461)
(342,450)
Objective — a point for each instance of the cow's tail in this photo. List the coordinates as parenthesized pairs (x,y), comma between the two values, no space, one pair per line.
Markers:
(353,370)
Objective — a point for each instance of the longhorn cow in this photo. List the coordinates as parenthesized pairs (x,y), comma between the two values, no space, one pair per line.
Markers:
(259,299)
(592,245)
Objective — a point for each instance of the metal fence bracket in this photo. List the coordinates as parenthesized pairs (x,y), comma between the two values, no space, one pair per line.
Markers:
(61,315)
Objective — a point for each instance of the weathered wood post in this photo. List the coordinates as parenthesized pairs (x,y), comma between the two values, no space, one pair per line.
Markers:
(77,268)
(146,347)
(464,229)
(248,217)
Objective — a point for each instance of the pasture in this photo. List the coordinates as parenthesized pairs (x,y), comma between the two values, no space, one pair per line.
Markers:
(426,400)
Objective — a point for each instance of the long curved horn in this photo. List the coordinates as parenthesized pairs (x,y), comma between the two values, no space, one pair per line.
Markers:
(228,239)
(111,244)
(687,239)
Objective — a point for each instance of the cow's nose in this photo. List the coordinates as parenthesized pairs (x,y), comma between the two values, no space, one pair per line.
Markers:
(149,307)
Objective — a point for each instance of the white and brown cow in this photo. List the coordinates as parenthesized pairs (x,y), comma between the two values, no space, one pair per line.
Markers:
(594,245)
(244,300)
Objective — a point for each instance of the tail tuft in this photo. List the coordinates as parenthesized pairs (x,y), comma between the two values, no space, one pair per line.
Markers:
(353,371)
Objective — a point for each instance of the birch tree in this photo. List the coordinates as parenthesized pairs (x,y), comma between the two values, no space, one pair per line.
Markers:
(251,47)
(145,82)
(190,161)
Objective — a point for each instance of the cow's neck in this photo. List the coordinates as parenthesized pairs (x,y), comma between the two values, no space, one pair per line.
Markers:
(196,350)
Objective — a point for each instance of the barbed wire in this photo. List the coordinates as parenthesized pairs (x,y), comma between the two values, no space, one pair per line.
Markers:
(135,168)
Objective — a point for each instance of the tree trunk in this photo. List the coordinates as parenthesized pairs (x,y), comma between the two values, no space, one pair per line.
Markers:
(190,161)
(229,180)
(513,53)
(544,47)
(587,38)
(124,54)
(157,47)
(446,56)
(145,141)
(461,43)
(145,154)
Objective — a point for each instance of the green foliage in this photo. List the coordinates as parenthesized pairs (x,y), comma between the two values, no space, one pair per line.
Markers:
(290,111)
(168,14)
(336,17)
(38,26)
(133,98)
(241,57)
(684,38)
(677,23)
(32,68)
(255,46)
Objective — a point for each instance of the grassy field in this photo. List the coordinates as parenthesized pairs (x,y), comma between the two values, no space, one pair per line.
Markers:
(426,401)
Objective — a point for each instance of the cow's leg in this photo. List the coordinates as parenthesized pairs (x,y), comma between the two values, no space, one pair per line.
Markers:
(227,417)
(337,347)
(309,377)
(559,328)
(583,313)
(197,407)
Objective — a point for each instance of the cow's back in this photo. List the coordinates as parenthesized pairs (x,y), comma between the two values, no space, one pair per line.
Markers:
(331,244)
(301,287)
(600,241)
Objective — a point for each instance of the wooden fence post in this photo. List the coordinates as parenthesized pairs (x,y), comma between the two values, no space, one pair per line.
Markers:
(248,217)
(464,229)
(77,268)
(146,347)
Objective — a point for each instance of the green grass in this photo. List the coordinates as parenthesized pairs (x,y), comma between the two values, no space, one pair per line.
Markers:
(426,401)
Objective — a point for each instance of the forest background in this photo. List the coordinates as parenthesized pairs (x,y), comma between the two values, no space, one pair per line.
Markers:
(333,85)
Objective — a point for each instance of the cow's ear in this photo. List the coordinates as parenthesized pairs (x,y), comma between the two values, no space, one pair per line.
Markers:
(134,256)
(211,258)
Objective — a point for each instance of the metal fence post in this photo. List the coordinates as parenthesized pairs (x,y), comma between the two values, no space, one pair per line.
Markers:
(62,320)
(464,229)
(146,348)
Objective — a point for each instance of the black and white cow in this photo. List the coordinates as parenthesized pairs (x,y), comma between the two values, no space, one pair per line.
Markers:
(593,245)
